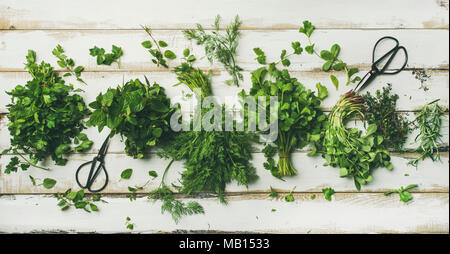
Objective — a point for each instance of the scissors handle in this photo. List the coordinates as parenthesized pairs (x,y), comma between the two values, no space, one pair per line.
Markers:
(93,174)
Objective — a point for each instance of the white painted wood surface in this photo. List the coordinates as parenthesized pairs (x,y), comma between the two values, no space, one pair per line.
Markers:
(346,213)
(271,25)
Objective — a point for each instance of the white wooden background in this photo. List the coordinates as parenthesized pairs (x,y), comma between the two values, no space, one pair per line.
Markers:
(420,25)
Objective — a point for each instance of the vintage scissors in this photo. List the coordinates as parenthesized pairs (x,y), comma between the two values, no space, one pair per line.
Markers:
(95,171)
(375,70)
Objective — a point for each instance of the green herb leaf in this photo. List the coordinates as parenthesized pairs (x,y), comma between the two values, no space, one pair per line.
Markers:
(328,192)
(126,174)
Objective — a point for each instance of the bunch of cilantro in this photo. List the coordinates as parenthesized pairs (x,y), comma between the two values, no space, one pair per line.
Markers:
(300,119)
(139,112)
(46,117)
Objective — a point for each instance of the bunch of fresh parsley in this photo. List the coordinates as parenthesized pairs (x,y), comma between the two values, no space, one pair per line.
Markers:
(46,117)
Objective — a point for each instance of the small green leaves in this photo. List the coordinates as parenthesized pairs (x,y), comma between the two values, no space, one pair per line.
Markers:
(307,28)
(290,197)
(310,49)
(128,223)
(78,199)
(48,183)
(335,81)
(405,195)
(343,172)
(162,44)
(220,47)
(169,54)
(68,63)
(159,57)
(147,44)
(273,193)
(261,57)
(332,62)
(429,122)
(348,149)
(322,91)
(152,173)
(45,115)
(107,58)
(33,180)
(371,129)
(328,192)
(126,174)
(297,48)
(186,52)
(129,109)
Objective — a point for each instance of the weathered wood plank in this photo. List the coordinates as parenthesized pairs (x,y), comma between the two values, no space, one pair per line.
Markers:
(356,45)
(261,14)
(412,96)
(346,213)
(312,177)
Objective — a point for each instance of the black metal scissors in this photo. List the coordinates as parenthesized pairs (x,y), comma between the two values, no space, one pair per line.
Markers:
(94,172)
(375,71)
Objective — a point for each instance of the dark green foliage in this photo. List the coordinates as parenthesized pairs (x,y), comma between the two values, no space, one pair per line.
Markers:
(45,117)
(79,200)
(107,58)
(332,62)
(392,126)
(221,47)
(159,56)
(139,112)
(355,154)
(328,192)
(404,193)
(212,158)
(68,64)
(428,121)
(300,118)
